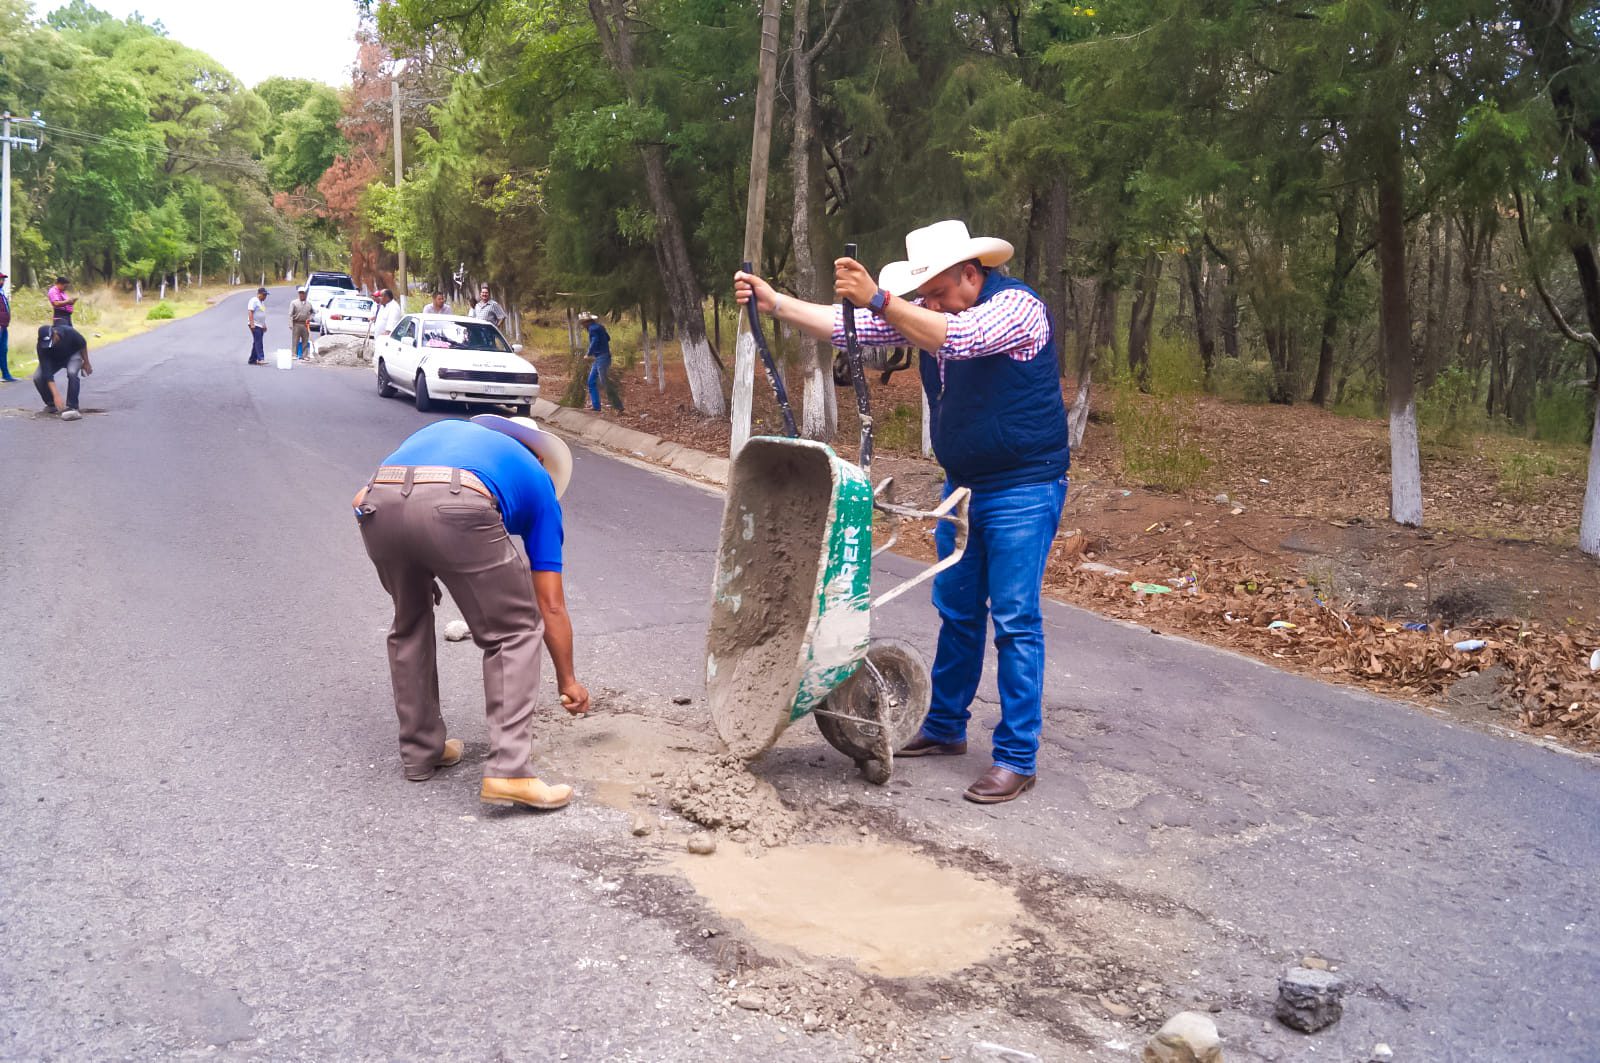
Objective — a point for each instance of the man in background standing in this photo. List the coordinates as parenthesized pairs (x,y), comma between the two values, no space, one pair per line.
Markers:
(486,309)
(389,312)
(5,332)
(60,302)
(300,323)
(437,305)
(600,371)
(256,321)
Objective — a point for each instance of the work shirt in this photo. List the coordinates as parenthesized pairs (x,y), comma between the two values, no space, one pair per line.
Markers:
(599,340)
(489,311)
(521,488)
(1012,323)
(389,316)
(57,295)
(258,312)
(59,343)
(300,312)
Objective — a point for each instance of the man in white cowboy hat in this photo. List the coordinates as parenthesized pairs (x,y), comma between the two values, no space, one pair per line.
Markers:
(999,427)
(300,323)
(444,506)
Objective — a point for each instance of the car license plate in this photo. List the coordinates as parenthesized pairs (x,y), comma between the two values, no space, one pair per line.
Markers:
(495,389)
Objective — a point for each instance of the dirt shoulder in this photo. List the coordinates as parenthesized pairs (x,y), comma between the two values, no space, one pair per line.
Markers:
(1283,549)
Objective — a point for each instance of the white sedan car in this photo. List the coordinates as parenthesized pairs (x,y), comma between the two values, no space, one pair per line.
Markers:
(351,314)
(445,358)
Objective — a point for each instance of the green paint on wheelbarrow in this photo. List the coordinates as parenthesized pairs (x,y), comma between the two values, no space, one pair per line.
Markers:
(790,615)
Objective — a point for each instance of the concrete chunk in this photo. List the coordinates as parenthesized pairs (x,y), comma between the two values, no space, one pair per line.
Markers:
(1187,1037)
(1309,1000)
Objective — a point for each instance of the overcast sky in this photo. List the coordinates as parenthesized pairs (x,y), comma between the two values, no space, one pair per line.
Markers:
(292,38)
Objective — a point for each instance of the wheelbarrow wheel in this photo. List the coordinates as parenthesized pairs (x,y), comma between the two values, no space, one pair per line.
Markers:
(878,709)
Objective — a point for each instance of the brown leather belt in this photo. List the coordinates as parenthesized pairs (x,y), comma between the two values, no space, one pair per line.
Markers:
(432,474)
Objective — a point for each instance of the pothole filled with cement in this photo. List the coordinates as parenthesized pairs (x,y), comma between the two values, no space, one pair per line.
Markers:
(887,910)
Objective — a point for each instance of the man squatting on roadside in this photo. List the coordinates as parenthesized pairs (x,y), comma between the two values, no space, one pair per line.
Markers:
(999,427)
(444,506)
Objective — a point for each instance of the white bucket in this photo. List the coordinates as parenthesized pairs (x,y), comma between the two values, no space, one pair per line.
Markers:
(285,358)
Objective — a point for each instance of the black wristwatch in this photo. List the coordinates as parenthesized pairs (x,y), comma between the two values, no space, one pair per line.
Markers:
(879,302)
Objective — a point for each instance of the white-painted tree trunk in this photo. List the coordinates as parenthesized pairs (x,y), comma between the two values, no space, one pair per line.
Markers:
(817,387)
(744,378)
(927,424)
(1405,467)
(661,369)
(1078,415)
(705,383)
(1589,528)
(163,286)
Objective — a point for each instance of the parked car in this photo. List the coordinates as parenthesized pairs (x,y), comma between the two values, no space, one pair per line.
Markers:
(448,358)
(349,313)
(323,285)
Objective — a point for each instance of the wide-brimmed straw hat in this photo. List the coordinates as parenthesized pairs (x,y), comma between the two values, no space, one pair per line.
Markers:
(550,449)
(935,248)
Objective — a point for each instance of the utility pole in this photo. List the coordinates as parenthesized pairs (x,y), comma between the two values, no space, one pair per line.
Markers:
(399,167)
(202,267)
(6,142)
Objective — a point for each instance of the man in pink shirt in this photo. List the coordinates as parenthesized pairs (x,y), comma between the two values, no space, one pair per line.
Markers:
(60,302)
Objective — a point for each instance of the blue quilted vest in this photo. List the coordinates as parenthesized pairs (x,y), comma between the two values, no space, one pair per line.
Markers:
(998,422)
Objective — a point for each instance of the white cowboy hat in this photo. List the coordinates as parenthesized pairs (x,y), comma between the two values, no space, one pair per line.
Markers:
(551,450)
(584,315)
(935,248)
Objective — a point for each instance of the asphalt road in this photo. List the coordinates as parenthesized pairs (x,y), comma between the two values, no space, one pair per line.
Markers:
(209,849)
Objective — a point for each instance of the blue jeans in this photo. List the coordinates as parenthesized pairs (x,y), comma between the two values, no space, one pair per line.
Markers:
(1000,576)
(5,354)
(597,376)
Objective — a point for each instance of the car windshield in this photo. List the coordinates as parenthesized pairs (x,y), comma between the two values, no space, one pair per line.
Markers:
(463,336)
(360,306)
(333,280)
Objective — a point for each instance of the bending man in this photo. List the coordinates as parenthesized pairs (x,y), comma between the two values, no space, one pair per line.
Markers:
(999,427)
(445,505)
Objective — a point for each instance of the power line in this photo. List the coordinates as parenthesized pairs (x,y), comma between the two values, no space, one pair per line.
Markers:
(99,138)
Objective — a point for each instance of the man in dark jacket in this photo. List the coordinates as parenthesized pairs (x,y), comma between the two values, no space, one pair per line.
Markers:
(999,427)
(599,354)
(61,347)
(5,332)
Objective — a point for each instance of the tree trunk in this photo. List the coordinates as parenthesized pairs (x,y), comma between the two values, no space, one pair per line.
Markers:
(1055,281)
(1405,460)
(1333,301)
(684,296)
(1143,311)
(1193,262)
(819,412)
(1228,316)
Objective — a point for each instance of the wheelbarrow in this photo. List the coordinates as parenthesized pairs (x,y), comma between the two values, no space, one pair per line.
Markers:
(791,615)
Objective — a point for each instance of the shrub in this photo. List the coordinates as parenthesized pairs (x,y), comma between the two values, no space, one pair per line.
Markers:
(1522,474)
(1564,414)
(1157,447)
(1240,381)
(162,311)
(900,430)
(1449,410)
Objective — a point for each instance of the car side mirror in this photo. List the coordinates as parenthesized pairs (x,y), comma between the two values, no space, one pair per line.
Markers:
(516,348)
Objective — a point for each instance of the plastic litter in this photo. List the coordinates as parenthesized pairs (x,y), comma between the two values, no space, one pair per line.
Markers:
(1416,625)
(1150,588)
(1469,645)
(1594,661)
(1280,625)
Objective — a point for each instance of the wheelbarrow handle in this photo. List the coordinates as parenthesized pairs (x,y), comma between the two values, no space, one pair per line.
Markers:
(952,510)
(774,377)
(858,377)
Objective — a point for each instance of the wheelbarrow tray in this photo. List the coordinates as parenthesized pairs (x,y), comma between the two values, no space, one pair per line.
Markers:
(790,614)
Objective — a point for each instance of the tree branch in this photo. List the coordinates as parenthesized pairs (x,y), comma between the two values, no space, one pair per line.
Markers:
(1588,339)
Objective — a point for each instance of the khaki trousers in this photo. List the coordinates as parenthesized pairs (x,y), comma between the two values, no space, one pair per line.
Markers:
(415,533)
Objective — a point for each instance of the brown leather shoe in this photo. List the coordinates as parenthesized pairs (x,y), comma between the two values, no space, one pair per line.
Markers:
(451,756)
(529,792)
(998,785)
(922,746)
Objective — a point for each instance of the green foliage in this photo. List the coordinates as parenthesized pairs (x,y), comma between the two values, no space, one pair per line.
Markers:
(1238,380)
(1157,440)
(1451,410)
(900,430)
(162,311)
(1564,414)
(1524,475)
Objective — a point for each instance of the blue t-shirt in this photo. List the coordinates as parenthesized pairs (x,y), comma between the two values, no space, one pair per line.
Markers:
(526,495)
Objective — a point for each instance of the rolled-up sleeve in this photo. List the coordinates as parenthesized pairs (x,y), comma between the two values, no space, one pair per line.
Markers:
(1012,323)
